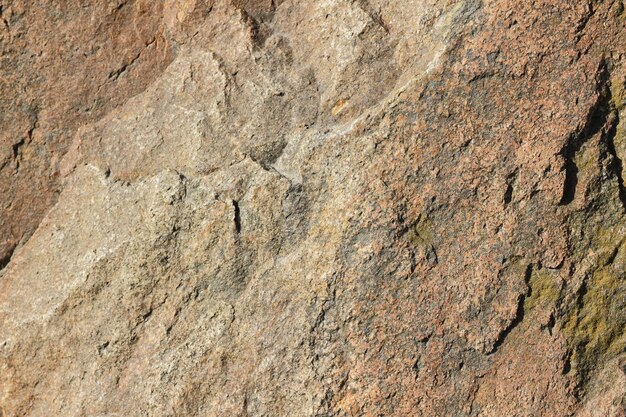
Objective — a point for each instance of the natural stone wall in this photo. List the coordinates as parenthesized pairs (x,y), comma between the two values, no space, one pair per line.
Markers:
(333,208)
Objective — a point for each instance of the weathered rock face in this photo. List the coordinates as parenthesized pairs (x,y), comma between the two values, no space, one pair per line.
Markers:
(281,208)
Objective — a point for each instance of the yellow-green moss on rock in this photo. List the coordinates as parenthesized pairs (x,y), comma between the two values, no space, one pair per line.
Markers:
(543,290)
(420,234)
(596,326)
(618,98)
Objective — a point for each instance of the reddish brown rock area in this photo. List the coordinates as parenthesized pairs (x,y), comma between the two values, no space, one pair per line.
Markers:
(333,208)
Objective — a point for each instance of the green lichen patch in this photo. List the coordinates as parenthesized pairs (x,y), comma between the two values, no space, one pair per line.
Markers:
(596,327)
(620,140)
(594,321)
(421,236)
(587,160)
(618,92)
(607,240)
(618,98)
(543,290)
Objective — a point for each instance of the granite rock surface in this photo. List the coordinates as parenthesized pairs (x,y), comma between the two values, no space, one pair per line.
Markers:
(331,208)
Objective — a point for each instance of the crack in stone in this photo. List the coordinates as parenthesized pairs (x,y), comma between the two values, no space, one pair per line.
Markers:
(519,315)
(114,75)
(598,118)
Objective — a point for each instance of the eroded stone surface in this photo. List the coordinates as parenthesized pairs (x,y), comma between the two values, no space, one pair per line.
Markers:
(328,208)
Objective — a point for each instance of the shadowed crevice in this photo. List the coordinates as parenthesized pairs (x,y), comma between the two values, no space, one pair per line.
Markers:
(519,314)
(4,261)
(237,216)
(597,118)
(616,165)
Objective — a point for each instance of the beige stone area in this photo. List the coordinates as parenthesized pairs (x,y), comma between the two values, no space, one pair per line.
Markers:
(330,208)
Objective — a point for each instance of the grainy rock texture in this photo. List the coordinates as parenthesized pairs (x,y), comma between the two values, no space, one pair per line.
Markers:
(327,208)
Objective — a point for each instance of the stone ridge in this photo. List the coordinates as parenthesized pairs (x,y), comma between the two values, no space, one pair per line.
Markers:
(334,208)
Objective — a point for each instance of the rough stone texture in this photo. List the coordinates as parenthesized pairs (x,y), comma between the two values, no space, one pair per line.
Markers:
(332,208)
